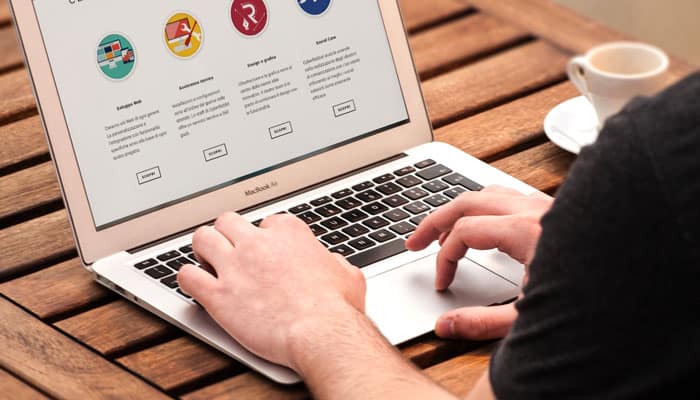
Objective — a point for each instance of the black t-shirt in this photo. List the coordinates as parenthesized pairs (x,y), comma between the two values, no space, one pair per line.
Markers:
(612,307)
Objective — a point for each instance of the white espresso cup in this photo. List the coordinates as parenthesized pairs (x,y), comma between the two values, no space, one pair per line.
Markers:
(611,74)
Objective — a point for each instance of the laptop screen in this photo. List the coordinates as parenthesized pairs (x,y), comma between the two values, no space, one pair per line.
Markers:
(168,100)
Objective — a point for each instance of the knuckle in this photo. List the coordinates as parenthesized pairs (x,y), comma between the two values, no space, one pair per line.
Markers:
(462,225)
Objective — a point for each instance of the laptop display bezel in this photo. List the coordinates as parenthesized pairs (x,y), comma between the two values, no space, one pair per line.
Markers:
(94,244)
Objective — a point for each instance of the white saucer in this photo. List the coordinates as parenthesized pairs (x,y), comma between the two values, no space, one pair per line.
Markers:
(572,124)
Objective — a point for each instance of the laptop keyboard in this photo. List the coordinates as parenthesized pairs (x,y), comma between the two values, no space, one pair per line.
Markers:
(366,223)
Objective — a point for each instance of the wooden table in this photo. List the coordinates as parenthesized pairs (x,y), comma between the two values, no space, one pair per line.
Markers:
(491,70)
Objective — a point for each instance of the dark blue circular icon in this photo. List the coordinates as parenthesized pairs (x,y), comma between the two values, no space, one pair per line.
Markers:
(314,7)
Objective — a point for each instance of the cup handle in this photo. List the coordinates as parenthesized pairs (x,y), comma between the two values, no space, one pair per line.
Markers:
(576,69)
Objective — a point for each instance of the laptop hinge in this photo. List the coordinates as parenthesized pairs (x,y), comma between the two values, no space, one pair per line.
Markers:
(272,201)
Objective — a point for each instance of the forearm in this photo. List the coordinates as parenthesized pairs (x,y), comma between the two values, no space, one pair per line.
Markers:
(347,358)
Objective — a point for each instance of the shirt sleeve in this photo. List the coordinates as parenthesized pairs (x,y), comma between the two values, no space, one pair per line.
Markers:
(615,268)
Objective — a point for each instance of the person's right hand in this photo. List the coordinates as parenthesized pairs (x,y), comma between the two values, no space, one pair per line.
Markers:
(495,218)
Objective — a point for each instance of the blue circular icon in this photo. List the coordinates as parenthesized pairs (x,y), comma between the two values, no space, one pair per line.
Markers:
(314,7)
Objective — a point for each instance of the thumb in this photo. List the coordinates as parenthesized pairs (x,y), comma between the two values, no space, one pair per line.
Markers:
(197,282)
(477,323)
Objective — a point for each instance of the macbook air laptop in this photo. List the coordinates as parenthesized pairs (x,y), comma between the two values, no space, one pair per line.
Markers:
(306,107)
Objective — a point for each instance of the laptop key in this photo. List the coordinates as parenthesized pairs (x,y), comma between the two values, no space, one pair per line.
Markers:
(404,171)
(389,188)
(178,263)
(403,228)
(437,200)
(145,264)
(454,192)
(334,238)
(382,236)
(415,193)
(169,255)
(355,230)
(425,164)
(396,215)
(375,208)
(257,222)
(170,281)
(362,186)
(362,243)
(435,186)
(369,196)
(186,249)
(433,172)
(458,179)
(309,217)
(417,207)
(354,215)
(378,253)
(409,181)
(395,201)
(328,210)
(334,223)
(318,230)
(321,201)
(348,203)
(376,222)
(383,179)
(341,193)
(343,250)
(159,271)
(417,220)
(300,209)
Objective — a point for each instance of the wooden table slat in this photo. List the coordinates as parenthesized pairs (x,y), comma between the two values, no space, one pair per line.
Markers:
(56,290)
(16,96)
(493,80)
(48,237)
(18,389)
(11,56)
(116,327)
(29,188)
(5,16)
(22,140)
(57,365)
(544,167)
(420,14)
(444,47)
(460,374)
(512,125)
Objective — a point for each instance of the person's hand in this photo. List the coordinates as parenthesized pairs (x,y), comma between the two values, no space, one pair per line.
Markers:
(274,285)
(495,218)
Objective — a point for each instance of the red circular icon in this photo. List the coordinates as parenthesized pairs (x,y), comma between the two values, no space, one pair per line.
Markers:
(249,17)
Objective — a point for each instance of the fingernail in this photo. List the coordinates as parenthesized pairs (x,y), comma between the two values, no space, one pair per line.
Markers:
(445,327)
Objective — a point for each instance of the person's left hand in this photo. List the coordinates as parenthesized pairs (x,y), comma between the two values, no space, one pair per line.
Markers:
(274,285)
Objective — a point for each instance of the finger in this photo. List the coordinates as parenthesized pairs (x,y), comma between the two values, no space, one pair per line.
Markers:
(477,323)
(510,234)
(198,283)
(212,247)
(283,219)
(500,189)
(443,236)
(467,204)
(233,227)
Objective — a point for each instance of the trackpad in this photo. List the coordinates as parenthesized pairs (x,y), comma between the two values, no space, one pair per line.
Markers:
(404,303)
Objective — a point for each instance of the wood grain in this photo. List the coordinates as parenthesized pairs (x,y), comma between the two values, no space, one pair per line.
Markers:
(420,14)
(56,290)
(5,17)
(562,26)
(22,140)
(11,55)
(501,129)
(29,188)
(11,386)
(179,362)
(40,355)
(115,327)
(248,386)
(16,96)
(496,79)
(544,167)
(34,242)
(460,374)
(444,47)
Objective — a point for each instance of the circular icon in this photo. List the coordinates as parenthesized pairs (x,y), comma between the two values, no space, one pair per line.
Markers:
(116,57)
(249,17)
(314,7)
(183,35)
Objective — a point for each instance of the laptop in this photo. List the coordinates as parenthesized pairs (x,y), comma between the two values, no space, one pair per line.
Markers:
(305,107)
